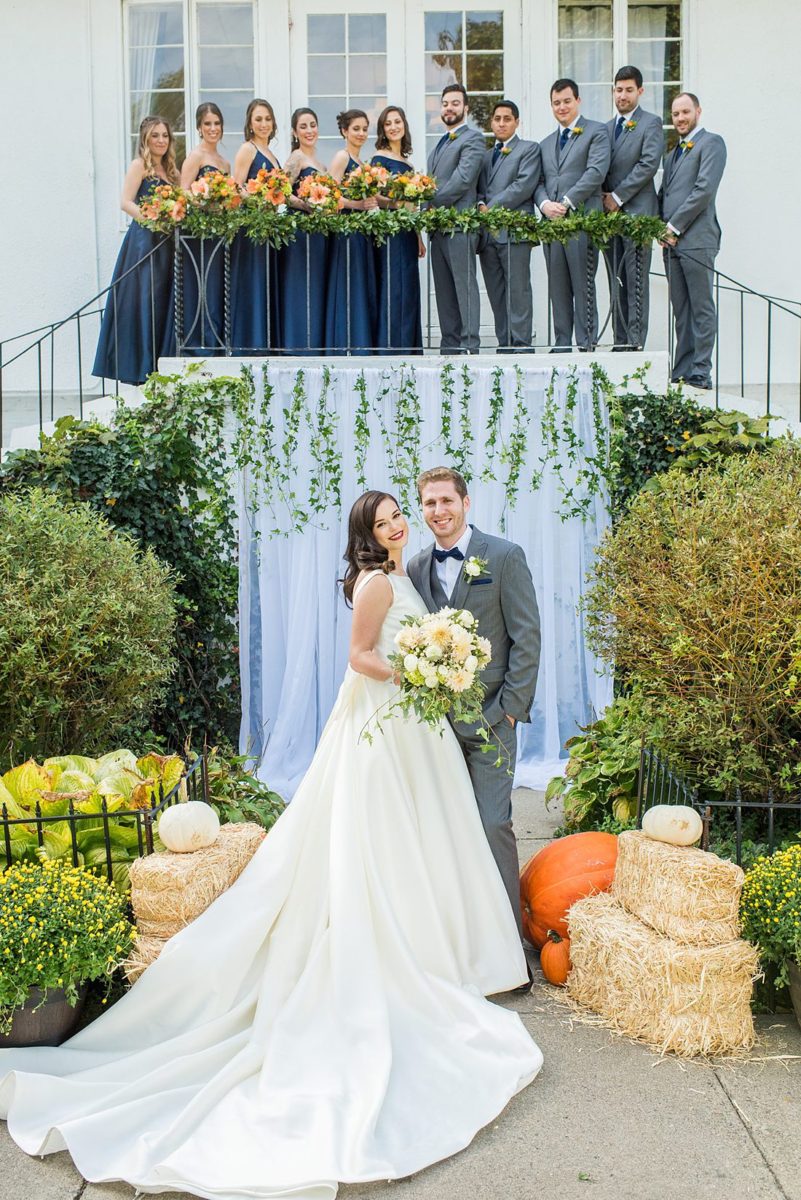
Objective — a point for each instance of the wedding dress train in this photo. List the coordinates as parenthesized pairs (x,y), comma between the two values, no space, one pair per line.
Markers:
(325,1019)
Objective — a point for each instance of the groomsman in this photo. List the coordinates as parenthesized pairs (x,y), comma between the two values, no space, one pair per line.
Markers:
(456,162)
(510,173)
(637,144)
(690,181)
(575,160)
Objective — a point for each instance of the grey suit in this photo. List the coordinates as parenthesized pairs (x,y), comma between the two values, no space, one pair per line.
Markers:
(456,164)
(687,201)
(509,182)
(635,157)
(576,172)
(506,607)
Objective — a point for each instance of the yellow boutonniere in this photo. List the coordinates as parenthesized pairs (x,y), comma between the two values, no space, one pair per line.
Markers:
(452,136)
(689,145)
(577,129)
(630,125)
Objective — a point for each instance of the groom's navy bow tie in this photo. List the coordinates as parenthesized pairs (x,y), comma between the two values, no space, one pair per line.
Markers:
(454,552)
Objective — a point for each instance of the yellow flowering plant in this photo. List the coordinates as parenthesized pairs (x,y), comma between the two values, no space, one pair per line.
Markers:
(770,908)
(60,926)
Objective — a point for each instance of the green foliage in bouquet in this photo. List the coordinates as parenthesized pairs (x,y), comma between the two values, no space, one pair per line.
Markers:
(770,908)
(60,926)
(599,783)
(696,598)
(86,625)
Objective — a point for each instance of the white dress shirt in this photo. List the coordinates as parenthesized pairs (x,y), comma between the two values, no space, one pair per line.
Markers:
(449,571)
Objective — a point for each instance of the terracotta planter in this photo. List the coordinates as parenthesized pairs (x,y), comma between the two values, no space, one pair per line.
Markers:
(49,1025)
(794,971)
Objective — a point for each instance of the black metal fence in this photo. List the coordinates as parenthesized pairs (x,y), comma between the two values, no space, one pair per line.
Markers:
(731,824)
(119,832)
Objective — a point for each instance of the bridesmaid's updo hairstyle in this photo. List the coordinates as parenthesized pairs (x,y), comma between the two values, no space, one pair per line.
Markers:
(381,139)
(345,119)
(144,152)
(208,107)
(254,104)
(297,114)
(363,552)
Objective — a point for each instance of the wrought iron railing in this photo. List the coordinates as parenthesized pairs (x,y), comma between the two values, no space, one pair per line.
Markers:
(137,823)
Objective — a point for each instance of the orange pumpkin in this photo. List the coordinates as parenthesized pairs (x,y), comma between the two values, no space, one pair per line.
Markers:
(555,958)
(561,873)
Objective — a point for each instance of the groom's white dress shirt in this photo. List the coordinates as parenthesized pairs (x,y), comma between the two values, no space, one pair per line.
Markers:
(449,570)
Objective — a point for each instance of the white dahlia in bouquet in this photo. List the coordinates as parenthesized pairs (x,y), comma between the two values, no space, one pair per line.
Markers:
(439,661)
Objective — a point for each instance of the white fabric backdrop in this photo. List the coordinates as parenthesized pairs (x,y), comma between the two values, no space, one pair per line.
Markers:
(294,624)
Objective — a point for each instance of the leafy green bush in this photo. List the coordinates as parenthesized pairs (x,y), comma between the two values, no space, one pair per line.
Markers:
(696,598)
(86,625)
(600,779)
(237,794)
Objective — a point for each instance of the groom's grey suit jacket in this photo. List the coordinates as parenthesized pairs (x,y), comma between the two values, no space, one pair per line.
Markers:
(689,190)
(505,604)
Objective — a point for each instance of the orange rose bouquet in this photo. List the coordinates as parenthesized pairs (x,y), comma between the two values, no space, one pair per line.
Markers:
(321,192)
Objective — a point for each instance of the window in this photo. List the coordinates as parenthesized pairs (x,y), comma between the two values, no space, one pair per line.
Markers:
(347,68)
(466,47)
(183,52)
(596,37)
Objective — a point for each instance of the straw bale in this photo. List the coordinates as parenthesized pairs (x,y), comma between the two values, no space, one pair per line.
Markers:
(145,951)
(688,894)
(691,1000)
(169,890)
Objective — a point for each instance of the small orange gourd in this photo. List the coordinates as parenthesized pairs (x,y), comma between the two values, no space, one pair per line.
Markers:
(555,959)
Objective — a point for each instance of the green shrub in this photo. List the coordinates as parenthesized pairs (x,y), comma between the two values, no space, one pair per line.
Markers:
(238,795)
(86,625)
(696,597)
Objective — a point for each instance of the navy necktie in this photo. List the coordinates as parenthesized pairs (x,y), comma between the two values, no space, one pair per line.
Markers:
(446,137)
(454,552)
(619,127)
(496,153)
(677,153)
(565,134)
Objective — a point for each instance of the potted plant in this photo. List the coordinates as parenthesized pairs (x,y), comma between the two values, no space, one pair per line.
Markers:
(60,927)
(770,910)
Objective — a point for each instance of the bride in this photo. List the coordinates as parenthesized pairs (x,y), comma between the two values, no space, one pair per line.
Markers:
(325,1019)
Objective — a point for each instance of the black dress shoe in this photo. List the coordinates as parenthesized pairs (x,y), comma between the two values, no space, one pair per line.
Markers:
(524,988)
(703,385)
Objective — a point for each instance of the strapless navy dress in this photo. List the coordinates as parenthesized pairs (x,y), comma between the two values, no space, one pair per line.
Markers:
(254,287)
(203,326)
(350,302)
(398,326)
(137,327)
(302,273)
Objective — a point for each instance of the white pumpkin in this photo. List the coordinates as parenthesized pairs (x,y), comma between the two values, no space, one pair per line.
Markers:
(676,824)
(189,826)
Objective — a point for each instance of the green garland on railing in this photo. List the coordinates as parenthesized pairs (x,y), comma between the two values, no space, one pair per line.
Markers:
(265,224)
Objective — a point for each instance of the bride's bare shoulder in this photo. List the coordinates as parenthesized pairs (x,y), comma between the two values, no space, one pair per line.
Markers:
(372,592)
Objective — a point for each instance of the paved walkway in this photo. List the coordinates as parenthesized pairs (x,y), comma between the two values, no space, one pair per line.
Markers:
(606,1119)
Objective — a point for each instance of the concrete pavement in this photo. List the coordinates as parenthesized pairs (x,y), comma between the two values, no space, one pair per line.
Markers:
(606,1119)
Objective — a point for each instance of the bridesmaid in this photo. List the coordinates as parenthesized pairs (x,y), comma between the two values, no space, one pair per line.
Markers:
(254,269)
(303,264)
(399,325)
(137,326)
(350,303)
(204,256)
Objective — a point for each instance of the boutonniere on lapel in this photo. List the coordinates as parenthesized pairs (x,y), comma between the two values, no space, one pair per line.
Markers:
(687,146)
(453,135)
(630,125)
(505,150)
(474,568)
(578,130)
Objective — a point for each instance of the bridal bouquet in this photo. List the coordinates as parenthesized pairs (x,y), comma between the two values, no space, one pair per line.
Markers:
(412,186)
(439,660)
(321,192)
(163,208)
(365,181)
(270,186)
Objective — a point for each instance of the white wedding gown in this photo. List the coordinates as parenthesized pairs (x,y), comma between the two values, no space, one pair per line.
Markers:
(325,1019)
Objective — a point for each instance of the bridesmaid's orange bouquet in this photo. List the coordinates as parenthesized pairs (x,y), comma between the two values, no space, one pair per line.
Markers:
(272,186)
(163,208)
(412,186)
(366,180)
(217,193)
(322,192)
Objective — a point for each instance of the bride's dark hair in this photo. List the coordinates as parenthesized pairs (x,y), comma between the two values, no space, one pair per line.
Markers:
(363,552)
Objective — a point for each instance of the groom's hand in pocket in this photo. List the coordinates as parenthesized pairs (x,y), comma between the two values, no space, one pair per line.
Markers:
(511,720)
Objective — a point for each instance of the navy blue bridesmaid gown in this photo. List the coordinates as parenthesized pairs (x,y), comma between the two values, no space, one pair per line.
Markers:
(203,330)
(350,302)
(137,327)
(302,273)
(254,304)
(399,325)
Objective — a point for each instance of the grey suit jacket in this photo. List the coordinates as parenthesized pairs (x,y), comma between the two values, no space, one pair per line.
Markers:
(456,166)
(505,604)
(635,159)
(510,183)
(688,192)
(580,170)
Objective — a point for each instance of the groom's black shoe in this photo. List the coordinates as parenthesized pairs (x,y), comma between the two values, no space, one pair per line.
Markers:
(524,988)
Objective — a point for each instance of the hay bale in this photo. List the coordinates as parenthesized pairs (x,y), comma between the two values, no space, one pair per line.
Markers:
(145,951)
(690,1000)
(169,890)
(689,895)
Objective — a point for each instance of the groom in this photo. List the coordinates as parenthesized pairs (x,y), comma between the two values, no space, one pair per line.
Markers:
(502,597)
